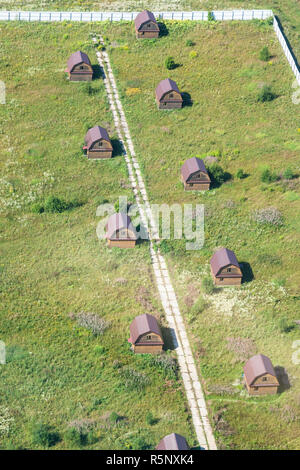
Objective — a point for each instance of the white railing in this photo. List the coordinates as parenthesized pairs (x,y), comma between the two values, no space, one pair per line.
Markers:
(287,50)
(129,16)
(92,16)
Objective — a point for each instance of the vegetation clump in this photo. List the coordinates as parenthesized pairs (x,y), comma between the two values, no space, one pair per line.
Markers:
(264,54)
(267,176)
(43,435)
(170,63)
(208,285)
(266,94)
(269,215)
(92,322)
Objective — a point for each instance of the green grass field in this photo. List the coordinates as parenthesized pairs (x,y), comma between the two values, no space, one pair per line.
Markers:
(226,121)
(53,266)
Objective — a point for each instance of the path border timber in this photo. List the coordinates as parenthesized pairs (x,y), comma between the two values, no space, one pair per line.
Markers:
(219,15)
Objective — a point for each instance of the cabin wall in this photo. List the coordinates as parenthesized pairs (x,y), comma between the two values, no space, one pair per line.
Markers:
(154,349)
(265,379)
(257,388)
(147,30)
(227,281)
(121,243)
(154,338)
(190,186)
(105,153)
(232,270)
(101,144)
(81,75)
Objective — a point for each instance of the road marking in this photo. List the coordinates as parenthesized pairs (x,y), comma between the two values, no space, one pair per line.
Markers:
(186,361)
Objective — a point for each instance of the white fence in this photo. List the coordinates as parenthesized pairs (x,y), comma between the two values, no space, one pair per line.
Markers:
(287,50)
(129,16)
(171,15)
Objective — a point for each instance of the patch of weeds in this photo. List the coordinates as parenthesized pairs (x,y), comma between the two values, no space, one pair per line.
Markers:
(269,215)
(264,54)
(92,322)
(208,285)
(266,94)
(43,435)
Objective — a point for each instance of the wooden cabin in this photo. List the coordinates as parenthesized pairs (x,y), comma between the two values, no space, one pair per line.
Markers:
(173,442)
(168,95)
(79,68)
(120,232)
(98,144)
(145,335)
(260,377)
(194,175)
(146,25)
(225,268)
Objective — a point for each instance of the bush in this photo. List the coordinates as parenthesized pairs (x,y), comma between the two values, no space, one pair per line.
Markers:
(43,435)
(264,54)
(240,174)
(189,43)
(208,285)
(113,417)
(216,173)
(269,215)
(75,438)
(92,322)
(210,16)
(170,63)
(134,380)
(285,326)
(198,306)
(288,174)
(150,418)
(266,94)
(54,204)
(267,176)
(37,208)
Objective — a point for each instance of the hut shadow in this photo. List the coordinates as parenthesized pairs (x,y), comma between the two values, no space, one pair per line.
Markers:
(118,148)
(170,339)
(98,72)
(143,236)
(197,448)
(163,30)
(248,275)
(187,100)
(283,379)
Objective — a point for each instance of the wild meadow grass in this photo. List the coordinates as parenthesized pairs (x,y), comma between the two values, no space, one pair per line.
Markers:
(259,221)
(66,299)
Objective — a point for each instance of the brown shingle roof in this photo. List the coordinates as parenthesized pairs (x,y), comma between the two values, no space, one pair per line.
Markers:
(94,134)
(143,324)
(221,259)
(192,165)
(164,87)
(257,366)
(173,442)
(76,59)
(143,17)
(118,221)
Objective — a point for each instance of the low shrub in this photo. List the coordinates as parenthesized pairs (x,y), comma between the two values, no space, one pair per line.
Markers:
(269,215)
(285,326)
(37,208)
(288,174)
(134,380)
(211,16)
(198,306)
(240,174)
(193,54)
(113,417)
(189,43)
(43,435)
(208,285)
(150,419)
(266,94)
(264,54)
(54,204)
(92,322)
(170,63)
(217,174)
(267,176)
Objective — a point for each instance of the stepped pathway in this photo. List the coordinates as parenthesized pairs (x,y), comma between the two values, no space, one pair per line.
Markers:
(186,362)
